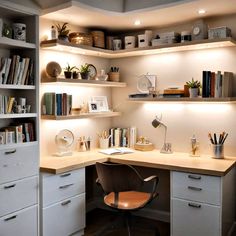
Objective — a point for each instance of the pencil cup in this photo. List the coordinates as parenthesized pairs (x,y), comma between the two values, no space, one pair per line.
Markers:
(217,151)
(114,76)
(104,143)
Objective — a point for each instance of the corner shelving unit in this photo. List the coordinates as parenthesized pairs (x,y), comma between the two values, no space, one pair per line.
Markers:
(59,45)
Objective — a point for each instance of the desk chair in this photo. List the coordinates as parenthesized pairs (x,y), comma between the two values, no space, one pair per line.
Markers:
(123,189)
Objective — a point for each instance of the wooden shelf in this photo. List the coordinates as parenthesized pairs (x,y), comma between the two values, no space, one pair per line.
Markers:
(94,83)
(59,45)
(183,99)
(13,86)
(12,43)
(82,116)
(15,145)
(21,115)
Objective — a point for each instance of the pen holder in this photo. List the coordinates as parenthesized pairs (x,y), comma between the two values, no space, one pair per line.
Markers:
(103,143)
(217,151)
(114,76)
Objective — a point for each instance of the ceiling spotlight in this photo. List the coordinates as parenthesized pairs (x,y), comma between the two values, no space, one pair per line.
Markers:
(201,11)
(137,22)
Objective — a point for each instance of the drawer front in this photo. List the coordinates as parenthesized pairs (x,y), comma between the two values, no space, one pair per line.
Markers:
(65,217)
(18,195)
(192,218)
(18,163)
(58,187)
(20,223)
(195,187)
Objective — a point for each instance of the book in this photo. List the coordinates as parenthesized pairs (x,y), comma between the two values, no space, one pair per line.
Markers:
(218,85)
(116,151)
(213,75)
(227,84)
(17,69)
(3,69)
(26,68)
(12,69)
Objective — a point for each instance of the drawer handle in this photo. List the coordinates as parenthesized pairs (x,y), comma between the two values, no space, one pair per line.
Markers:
(194,177)
(65,175)
(9,186)
(65,186)
(194,205)
(10,152)
(194,188)
(10,218)
(66,202)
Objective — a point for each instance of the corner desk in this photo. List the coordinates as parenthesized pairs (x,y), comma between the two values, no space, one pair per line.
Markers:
(202,191)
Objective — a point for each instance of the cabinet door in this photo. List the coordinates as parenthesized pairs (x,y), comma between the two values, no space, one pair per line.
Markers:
(20,223)
(65,217)
(18,194)
(194,219)
(18,163)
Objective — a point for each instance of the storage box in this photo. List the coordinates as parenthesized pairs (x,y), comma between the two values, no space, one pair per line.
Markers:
(129,42)
(142,40)
(219,33)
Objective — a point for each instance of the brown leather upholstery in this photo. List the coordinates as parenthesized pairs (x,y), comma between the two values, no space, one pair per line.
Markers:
(129,200)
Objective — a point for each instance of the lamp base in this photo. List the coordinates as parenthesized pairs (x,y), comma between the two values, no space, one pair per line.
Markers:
(166,148)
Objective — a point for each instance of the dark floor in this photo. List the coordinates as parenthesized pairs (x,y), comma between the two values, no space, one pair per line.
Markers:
(99,218)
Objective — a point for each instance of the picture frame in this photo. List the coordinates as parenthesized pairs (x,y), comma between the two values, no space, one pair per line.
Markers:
(101,102)
(93,106)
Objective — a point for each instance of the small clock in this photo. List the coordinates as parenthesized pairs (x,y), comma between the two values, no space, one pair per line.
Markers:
(196,30)
(92,71)
(199,30)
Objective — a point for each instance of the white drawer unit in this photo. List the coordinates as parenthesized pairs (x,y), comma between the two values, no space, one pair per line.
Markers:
(18,195)
(17,163)
(58,187)
(20,223)
(197,187)
(202,204)
(65,217)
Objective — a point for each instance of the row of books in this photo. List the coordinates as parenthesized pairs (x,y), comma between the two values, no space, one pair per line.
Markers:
(16,70)
(6,104)
(123,137)
(217,84)
(17,133)
(59,104)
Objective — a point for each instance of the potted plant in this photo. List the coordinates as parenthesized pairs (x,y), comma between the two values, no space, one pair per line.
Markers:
(63,31)
(68,71)
(193,86)
(75,73)
(84,71)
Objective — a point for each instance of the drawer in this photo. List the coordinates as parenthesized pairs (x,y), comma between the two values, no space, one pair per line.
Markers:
(192,218)
(195,187)
(18,195)
(58,187)
(18,163)
(20,223)
(65,217)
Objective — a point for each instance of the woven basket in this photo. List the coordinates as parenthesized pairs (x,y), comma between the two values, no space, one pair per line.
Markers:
(81,38)
(98,39)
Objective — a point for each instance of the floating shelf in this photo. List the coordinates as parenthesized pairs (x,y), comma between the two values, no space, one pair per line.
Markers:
(183,99)
(13,43)
(13,86)
(94,83)
(21,115)
(59,45)
(82,116)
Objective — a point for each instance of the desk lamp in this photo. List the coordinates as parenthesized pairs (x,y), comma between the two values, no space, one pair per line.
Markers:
(166,146)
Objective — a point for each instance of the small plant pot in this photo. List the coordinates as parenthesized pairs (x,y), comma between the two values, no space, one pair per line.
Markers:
(67,74)
(63,37)
(75,75)
(193,92)
(84,75)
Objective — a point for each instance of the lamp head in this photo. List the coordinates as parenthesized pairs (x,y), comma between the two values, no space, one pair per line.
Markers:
(156,123)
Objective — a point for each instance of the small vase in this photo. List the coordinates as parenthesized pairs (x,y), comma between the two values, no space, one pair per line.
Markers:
(67,74)
(84,75)
(193,92)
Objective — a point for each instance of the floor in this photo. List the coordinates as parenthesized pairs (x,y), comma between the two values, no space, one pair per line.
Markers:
(99,218)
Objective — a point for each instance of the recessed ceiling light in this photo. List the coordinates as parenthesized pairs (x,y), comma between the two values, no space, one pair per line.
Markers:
(137,22)
(201,11)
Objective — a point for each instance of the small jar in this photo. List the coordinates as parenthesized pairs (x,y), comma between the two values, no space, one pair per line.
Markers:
(186,36)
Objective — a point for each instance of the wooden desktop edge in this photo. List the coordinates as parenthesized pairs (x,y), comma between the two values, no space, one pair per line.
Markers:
(80,160)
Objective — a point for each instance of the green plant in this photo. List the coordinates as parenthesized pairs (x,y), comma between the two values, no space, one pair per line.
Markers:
(62,29)
(84,68)
(193,83)
(69,68)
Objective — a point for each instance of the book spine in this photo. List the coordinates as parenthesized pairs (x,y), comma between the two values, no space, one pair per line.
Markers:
(133,136)
(204,84)
(212,84)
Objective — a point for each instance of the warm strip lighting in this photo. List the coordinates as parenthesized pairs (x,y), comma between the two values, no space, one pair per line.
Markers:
(208,107)
(201,11)
(163,106)
(137,22)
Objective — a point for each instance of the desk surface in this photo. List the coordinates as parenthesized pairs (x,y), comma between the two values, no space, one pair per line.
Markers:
(176,161)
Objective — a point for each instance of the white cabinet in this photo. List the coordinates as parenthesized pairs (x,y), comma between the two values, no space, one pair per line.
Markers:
(201,204)
(62,203)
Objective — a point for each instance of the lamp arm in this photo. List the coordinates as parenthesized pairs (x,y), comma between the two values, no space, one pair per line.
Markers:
(165,133)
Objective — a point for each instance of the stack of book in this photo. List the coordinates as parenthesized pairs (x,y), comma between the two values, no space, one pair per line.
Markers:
(17,133)
(216,84)
(16,70)
(173,92)
(59,104)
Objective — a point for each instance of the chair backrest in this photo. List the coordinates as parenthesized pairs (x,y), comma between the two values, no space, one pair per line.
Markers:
(118,177)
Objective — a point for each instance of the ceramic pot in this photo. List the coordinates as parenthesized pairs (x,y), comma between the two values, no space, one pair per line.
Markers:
(63,37)
(68,74)
(193,92)
(75,75)
(84,75)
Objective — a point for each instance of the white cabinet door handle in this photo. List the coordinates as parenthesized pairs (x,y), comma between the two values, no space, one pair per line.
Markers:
(197,177)
(10,152)
(194,205)
(10,218)
(65,175)
(66,202)
(9,186)
(65,186)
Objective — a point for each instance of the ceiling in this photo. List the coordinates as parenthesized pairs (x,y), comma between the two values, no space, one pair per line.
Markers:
(78,13)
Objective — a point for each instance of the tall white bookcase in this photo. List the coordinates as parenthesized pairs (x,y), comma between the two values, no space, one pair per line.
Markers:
(19,162)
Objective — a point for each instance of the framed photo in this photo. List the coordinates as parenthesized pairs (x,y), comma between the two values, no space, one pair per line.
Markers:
(101,102)
(93,106)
